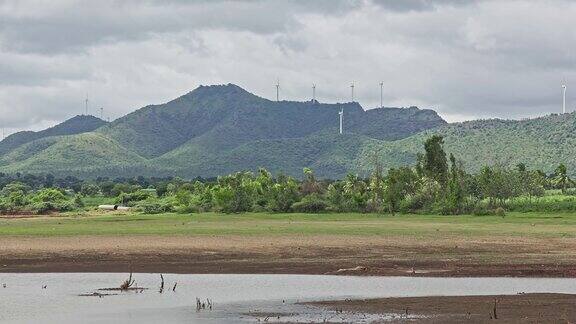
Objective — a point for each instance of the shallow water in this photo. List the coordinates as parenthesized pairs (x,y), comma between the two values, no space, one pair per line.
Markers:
(25,301)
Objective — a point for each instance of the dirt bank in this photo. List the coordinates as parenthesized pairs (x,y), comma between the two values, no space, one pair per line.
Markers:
(522,308)
(447,257)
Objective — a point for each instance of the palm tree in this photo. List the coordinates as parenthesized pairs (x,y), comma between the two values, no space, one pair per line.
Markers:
(562,180)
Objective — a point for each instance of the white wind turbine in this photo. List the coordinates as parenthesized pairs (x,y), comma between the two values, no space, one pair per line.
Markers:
(278,89)
(564,97)
(381,93)
(341,113)
(352,91)
(313,92)
(86,102)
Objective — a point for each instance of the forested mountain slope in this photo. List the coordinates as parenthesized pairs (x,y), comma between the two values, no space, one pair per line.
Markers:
(541,143)
(75,125)
(219,129)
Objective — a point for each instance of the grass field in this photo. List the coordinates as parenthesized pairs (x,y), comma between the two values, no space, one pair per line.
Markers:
(559,225)
(519,244)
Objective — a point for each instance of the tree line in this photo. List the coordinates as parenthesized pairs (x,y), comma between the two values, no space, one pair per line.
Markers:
(437,183)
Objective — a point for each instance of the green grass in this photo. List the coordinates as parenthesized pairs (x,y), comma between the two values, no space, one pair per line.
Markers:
(514,224)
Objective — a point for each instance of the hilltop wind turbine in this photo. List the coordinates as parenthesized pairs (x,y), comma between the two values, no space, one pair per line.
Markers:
(341,113)
(86,102)
(564,97)
(352,91)
(381,92)
(278,90)
(101,113)
(313,92)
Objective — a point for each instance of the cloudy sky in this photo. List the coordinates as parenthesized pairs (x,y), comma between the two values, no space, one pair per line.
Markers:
(465,59)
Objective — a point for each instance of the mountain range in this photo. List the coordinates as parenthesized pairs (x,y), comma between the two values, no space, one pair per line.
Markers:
(215,130)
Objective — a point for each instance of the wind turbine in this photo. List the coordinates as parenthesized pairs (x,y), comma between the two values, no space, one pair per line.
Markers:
(564,97)
(278,90)
(313,92)
(101,113)
(352,90)
(86,102)
(381,92)
(341,113)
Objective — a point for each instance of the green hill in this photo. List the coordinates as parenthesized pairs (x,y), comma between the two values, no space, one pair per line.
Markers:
(69,154)
(219,129)
(541,143)
(75,125)
(225,116)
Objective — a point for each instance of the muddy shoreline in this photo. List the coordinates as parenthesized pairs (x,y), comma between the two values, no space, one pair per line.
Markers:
(533,308)
(246,263)
(289,255)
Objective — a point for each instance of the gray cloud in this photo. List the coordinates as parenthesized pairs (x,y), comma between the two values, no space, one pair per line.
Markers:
(466,59)
(67,26)
(421,5)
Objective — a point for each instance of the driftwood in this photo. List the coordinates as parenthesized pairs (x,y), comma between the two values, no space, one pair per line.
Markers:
(161,283)
(126,285)
(494,310)
(136,289)
(96,294)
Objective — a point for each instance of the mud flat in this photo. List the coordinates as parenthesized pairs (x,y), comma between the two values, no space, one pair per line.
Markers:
(293,254)
(520,308)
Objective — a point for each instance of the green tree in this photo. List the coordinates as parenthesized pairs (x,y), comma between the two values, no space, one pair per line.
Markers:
(14,195)
(499,184)
(106,187)
(264,184)
(435,164)
(399,183)
(376,187)
(89,189)
(534,184)
(456,191)
(561,177)
(355,193)
(310,184)
(335,196)
(283,194)
(51,199)
(235,193)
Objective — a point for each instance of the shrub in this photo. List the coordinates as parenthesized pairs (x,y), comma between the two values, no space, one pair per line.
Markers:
(89,189)
(50,199)
(42,207)
(78,201)
(188,209)
(500,212)
(49,195)
(480,210)
(154,206)
(233,200)
(4,206)
(186,202)
(131,199)
(310,204)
